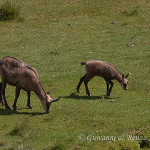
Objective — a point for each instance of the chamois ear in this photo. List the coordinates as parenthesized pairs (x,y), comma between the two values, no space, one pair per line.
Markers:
(48,92)
(127,75)
(122,76)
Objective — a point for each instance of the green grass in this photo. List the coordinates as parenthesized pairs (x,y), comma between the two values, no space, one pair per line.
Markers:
(9,11)
(54,38)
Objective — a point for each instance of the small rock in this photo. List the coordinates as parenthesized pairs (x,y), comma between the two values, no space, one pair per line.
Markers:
(130,45)
(112,101)
(113,22)
(89,52)
(77,147)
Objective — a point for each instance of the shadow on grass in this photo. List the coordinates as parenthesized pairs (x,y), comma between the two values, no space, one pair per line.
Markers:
(6,112)
(78,97)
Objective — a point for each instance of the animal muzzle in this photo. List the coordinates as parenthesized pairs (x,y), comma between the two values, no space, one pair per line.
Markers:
(125,88)
(48,107)
(48,104)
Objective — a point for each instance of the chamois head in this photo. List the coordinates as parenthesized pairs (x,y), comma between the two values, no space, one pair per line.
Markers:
(124,82)
(49,101)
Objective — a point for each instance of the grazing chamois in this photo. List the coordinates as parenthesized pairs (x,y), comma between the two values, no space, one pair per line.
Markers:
(17,73)
(106,71)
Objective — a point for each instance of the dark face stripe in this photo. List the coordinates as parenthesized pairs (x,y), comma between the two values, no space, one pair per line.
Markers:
(47,106)
(125,86)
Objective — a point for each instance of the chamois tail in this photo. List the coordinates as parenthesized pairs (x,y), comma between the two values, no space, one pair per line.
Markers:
(83,63)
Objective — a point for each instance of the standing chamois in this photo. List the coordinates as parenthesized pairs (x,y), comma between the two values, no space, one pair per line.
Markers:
(17,73)
(106,71)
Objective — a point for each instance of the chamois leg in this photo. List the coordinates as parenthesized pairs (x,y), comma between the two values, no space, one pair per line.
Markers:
(80,82)
(111,85)
(1,99)
(16,98)
(28,102)
(107,87)
(3,93)
(87,79)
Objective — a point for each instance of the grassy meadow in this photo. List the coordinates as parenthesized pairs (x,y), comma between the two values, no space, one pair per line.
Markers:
(54,37)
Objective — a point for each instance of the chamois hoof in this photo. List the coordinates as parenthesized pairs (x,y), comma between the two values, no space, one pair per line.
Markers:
(78,91)
(15,108)
(89,95)
(7,107)
(108,94)
(30,106)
